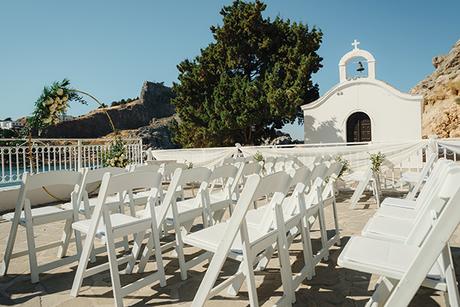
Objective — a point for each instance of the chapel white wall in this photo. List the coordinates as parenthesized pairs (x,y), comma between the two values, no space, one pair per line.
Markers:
(393,118)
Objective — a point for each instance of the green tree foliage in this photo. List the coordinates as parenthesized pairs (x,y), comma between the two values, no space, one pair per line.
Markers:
(123,101)
(249,82)
(7,134)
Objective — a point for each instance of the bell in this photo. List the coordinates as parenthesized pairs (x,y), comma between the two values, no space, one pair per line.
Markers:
(360,67)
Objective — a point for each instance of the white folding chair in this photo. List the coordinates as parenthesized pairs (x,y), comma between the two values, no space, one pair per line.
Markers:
(27,217)
(269,165)
(408,209)
(180,215)
(168,169)
(279,165)
(416,179)
(404,266)
(244,171)
(140,197)
(222,239)
(107,226)
(413,230)
(222,190)
(89,185)
(364,178)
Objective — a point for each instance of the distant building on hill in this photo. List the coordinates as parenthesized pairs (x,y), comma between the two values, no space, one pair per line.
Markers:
(361,108)
(6,124)
(65,117)
(10,124)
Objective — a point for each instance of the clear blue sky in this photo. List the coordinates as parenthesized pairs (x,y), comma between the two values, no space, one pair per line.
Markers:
(110,47)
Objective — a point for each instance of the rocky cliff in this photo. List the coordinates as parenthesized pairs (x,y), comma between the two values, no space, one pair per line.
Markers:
(441,92)
(153,102)
(149,117)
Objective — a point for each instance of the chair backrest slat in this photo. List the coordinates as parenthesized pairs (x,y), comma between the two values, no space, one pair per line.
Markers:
(38,181)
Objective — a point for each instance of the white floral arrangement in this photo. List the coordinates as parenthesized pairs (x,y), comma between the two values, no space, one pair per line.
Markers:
(377,160)
(53,103)
(116,156)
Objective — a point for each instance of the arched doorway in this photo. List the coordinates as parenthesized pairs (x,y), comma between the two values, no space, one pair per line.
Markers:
(359,128)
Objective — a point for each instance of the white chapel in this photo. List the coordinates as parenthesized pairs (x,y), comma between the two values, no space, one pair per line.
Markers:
(361,108)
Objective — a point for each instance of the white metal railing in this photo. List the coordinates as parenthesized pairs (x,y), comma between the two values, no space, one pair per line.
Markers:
(57,154)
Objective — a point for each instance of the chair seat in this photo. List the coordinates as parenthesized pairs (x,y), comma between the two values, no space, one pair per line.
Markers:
(411,177)
(92,203)
(384,258)
(43,215)
(254,217)
(397,212)
(117,220)
(210,238)
(388,228)
(399,202)
(218,196)
(184,207)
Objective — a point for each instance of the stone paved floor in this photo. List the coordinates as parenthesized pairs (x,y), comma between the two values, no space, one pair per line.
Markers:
(332,285)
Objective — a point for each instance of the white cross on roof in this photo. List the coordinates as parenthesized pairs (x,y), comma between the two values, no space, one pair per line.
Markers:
(355,44)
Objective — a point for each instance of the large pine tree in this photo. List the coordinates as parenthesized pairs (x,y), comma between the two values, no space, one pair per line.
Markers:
(249,82)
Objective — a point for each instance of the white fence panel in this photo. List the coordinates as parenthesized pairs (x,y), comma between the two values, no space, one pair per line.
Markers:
(43,155)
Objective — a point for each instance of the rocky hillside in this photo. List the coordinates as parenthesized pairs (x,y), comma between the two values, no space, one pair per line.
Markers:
(441,92)
(149,117)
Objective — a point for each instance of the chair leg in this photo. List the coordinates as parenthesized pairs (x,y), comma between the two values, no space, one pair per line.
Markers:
(452,297)
(82,263)
(323,231)
(114,274)
(32,252)
(158,257)
(237,282)
(135,252)
(285,266)
(10,243)
(307,248)
(382,292)
(146,254)
(65,240)
(251,283)
(336,220)
(180,254)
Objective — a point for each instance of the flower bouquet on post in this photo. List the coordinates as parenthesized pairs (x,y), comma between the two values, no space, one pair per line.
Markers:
(377,160)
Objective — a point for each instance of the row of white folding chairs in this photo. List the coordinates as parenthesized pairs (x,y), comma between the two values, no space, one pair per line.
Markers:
(83,226)
(265,229)
(176,214)
(80,203)
(170,214)
(406,241)
(81,186)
